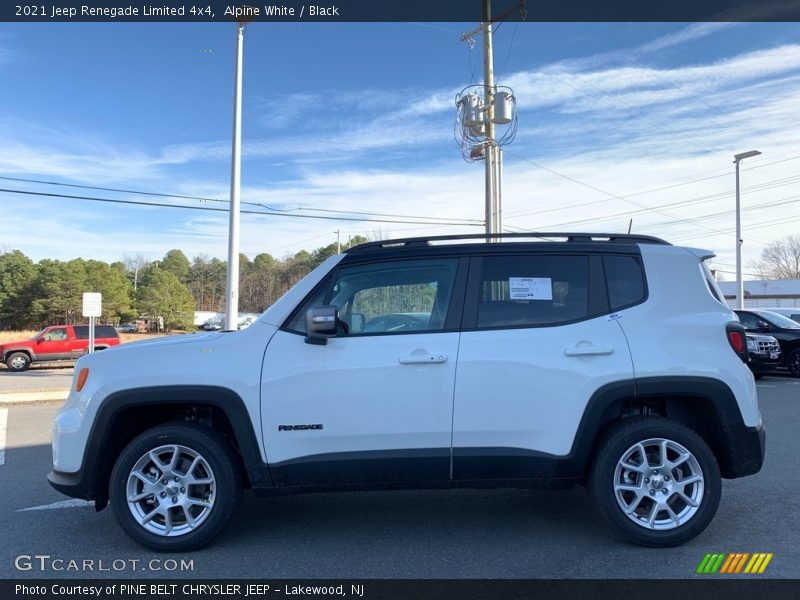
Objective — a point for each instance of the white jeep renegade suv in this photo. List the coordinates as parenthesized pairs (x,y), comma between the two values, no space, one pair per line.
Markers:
(448,362)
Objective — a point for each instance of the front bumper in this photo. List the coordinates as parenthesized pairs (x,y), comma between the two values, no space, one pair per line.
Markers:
(71,484)
(746,452)
(76,485)
(762,363)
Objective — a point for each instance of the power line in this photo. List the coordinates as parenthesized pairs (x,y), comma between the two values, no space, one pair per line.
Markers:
(205,199)
(645,208)
(316,237)
(252,212)
(677,220)
(630,195)
(666,214)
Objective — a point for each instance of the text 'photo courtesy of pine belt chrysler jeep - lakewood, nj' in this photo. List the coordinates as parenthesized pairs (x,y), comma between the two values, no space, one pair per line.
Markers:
(523,360)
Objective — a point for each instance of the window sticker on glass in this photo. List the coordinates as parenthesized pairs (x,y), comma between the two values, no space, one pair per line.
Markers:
(530,288)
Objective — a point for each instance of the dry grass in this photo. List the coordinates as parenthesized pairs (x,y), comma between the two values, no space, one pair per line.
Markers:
(135,337)
(13,336)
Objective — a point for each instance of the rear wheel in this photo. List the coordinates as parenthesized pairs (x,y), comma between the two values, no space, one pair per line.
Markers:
(656,480)
(18,361)
(175,486)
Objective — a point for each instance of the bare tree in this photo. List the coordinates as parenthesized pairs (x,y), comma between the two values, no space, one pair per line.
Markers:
(780,259)
(134,266)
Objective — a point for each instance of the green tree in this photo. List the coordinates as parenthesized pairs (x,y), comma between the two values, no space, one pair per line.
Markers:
(17,277)
(175,262)
(113,283)
(162,294)
(58,292)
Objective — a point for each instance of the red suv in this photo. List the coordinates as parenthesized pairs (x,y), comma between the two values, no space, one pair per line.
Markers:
(56,343)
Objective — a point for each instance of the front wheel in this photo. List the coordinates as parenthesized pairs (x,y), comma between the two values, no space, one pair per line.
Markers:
(793,363)
(18,361)
(175,486)
(656,480)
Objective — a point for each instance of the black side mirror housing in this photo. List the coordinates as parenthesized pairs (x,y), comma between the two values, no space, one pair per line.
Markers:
(320,324)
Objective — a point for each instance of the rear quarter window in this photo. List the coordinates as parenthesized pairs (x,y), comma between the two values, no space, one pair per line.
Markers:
(100,331)
(711,283)
(624,281)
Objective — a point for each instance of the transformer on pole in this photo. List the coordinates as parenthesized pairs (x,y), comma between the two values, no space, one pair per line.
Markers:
(480,109)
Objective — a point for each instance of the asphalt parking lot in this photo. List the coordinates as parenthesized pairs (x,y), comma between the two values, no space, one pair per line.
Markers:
(36,378)
(428,534)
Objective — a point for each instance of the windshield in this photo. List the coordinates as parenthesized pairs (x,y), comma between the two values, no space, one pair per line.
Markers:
(38,333)
(778,320)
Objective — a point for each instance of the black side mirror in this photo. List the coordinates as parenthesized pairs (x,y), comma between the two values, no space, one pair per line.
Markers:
(762,326)
(320,324)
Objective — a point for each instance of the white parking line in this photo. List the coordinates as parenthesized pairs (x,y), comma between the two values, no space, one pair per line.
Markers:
(73,503)
(3,423)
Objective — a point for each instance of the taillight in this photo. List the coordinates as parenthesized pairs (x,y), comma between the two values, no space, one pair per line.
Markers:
(737,339)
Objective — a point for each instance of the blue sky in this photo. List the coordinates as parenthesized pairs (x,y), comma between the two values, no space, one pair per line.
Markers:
(359,117)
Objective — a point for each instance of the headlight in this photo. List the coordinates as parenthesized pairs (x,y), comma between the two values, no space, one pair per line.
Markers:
(752,345)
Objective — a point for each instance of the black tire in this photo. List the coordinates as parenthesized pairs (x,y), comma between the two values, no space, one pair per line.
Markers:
(18,361)
(758,375)
(226,494)
(601,484)
(793,363)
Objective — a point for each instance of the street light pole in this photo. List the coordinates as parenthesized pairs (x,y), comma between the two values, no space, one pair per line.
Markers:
(232,304)
(737,158)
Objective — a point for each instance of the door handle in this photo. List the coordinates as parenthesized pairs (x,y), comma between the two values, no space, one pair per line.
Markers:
(422,359)
(587,350)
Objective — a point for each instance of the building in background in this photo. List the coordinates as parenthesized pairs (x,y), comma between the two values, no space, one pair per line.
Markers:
(764,293)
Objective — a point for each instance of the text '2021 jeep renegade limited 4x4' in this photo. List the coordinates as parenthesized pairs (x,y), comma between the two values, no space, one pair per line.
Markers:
(445,362)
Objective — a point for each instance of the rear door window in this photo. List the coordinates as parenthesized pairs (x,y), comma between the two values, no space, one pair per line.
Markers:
(532,290)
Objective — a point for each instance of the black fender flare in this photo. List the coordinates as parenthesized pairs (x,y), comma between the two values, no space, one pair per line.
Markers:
(736,450)
(89,482)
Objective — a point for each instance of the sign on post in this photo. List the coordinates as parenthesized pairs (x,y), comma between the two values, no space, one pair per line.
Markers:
(92,304)
(92,308)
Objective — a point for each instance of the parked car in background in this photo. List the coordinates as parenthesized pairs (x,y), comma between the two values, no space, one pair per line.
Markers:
(56,343)
(245,322)
(783,329)
(212,325)
(128,328)
(792,313)
(764,354)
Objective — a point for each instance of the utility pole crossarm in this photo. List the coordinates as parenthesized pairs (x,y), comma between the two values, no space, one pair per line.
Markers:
(520,6)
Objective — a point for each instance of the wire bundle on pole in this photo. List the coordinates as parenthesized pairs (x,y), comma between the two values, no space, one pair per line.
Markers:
(472,118)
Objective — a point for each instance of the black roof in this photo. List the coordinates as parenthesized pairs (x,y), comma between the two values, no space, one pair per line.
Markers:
(585,240)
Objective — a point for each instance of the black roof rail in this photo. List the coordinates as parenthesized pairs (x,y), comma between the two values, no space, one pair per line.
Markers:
(619,238)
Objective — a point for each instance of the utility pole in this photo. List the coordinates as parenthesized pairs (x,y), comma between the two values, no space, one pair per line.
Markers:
(491,205)
(338,242)
(480,113)
(232,304)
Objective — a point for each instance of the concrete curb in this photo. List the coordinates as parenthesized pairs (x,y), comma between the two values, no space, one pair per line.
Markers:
(33,397)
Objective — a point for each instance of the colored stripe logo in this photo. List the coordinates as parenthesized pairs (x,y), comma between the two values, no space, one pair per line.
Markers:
(733,563)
